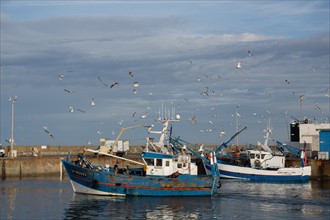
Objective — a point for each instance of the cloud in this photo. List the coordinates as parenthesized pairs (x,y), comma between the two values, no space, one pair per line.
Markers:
(192,72)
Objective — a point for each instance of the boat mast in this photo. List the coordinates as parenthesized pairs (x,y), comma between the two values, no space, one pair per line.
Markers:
(268,130)
(165,119)
(237,115)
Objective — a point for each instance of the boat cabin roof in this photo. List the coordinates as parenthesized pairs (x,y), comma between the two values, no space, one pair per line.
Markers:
(156,155)
(255,154)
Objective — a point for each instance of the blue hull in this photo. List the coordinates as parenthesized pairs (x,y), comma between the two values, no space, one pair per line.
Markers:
(263,178)
(285,174)
(103,182)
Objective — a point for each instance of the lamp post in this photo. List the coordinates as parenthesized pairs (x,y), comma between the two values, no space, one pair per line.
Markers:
(12,100)
(301,99)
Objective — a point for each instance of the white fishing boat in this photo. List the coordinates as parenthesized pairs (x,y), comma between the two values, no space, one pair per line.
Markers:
(263,165)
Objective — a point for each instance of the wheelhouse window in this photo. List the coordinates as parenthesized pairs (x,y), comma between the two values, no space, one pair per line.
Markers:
(252,156)
(159,162)
(150,162)
(243,154)
(167,163)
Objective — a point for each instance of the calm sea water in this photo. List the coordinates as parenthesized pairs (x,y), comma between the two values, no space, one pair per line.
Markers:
(54,199)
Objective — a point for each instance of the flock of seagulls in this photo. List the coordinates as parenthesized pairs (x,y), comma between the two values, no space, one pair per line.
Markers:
(206,91)
(73,109)
(106,84)
(239,66)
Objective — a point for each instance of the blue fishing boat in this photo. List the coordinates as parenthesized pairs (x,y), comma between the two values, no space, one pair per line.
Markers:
(161,174)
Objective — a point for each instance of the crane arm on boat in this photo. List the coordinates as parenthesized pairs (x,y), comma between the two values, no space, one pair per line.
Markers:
(293,150)
(177,140)
(114,156)
(124,129)
(225,144)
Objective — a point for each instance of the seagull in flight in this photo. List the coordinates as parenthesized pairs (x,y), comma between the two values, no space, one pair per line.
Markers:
(68,91)
(80,110)
(93,101)
(102,82)
(61,76)
(201,149)
(193,120)
(239,65)
(222,133)
(114,84)
(206,92)
(48,132)
(71,109)
(145,115)
(317,107)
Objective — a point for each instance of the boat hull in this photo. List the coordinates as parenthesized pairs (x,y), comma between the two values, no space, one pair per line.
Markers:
(280,175)
(101,182)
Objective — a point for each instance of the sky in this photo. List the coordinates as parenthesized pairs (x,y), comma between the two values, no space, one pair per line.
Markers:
(220,65)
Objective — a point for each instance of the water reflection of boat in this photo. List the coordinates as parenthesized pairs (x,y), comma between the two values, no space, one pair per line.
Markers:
(82,206)
(163,173)
(179,208)
(320,184)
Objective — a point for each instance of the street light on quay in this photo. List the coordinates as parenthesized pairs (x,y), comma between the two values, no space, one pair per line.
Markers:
(12,152)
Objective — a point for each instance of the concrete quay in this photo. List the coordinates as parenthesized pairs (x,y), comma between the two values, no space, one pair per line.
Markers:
(48,166)
(31,162)
(21,167)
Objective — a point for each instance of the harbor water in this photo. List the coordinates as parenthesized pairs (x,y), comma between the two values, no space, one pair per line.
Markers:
(50,198)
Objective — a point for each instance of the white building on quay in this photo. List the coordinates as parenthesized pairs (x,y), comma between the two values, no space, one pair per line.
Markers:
(316,137)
